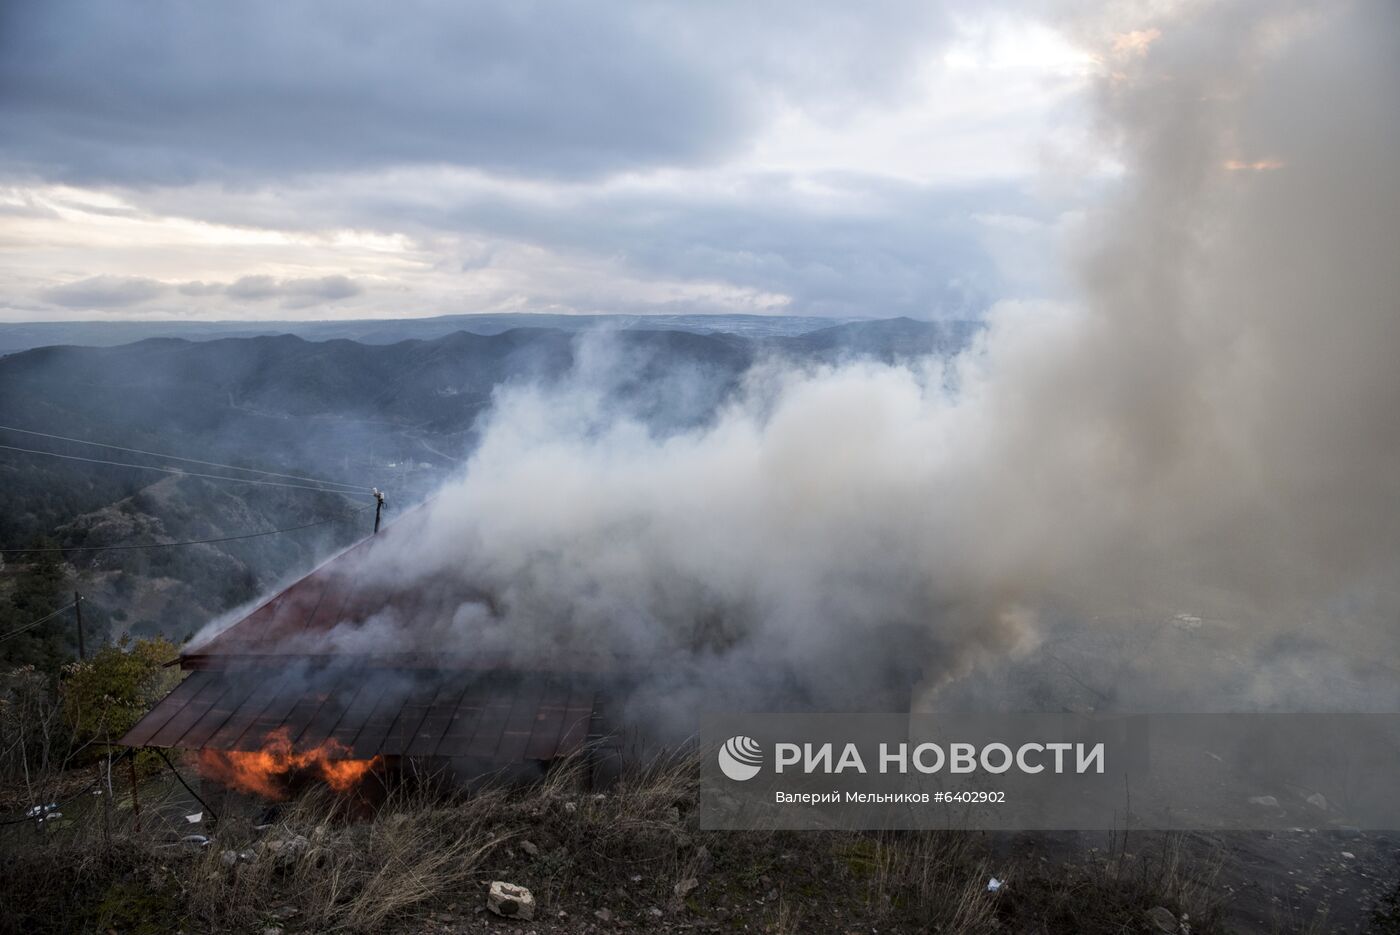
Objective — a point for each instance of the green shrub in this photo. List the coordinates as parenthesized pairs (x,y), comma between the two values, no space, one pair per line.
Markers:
(106,694)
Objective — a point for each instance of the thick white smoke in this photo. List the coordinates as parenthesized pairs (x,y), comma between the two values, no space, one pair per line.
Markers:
(1213,427)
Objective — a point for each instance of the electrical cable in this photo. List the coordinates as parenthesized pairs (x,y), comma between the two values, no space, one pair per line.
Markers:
(30,626)
(169,545)
(152,467)
(213,814)
(157,454)
(66,802)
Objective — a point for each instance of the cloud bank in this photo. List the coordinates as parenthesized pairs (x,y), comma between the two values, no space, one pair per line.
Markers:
(102,292)
(774,158)
(165,92)
(117,293)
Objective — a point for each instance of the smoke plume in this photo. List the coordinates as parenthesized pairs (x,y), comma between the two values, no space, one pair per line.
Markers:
(1212,428)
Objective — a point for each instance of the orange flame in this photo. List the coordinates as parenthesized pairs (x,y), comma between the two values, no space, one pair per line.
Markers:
(266,772)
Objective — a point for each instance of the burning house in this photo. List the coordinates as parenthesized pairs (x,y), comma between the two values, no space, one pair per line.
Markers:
(297,689)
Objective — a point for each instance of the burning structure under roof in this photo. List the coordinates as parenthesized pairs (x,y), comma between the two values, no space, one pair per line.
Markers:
(284,685)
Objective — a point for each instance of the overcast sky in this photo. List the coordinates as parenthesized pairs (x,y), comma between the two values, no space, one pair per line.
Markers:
(355,159)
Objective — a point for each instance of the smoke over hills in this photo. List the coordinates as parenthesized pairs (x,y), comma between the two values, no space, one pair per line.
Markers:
(1209,429)
(399,416)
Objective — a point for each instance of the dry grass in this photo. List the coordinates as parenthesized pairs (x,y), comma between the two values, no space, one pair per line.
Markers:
(357,876)
(1112,889)
(937,874)
(635,852)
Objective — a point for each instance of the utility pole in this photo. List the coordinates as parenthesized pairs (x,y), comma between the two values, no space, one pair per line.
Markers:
(135,799)
(378,506)
(78,612)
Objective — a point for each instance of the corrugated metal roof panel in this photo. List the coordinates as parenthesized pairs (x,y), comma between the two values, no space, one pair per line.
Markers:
(157,717)
(189,713)
(439,715)
(503,718)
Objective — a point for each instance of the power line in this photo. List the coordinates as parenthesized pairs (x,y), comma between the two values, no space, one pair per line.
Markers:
(188,788)
(43,812)
(157,454)
(152,467)
(170,545)
(29,626)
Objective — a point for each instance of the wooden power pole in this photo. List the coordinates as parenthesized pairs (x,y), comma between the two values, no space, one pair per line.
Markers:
(78,612)
(378,506)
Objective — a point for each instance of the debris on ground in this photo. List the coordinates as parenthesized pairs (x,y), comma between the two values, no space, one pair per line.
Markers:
(44,812)
(511,901)
(286,852)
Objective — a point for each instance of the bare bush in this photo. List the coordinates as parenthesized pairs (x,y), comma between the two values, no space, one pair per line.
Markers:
(36,744)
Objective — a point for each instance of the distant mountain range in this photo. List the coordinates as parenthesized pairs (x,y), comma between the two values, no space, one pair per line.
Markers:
(22,336)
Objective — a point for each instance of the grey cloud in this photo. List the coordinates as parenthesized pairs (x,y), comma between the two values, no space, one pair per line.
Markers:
(26,206)
(100,292)
(324,289)
(255,288)
(294,293)
(880,247)
(113,292)
(165,93)
(908,249)
(304,107)
(202,288)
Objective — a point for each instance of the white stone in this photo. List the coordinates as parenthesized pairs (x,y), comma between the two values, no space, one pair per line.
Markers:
(510,901)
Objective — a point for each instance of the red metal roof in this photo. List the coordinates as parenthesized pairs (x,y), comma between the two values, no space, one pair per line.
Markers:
(281,667)
(300,623)
(498,717)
